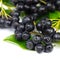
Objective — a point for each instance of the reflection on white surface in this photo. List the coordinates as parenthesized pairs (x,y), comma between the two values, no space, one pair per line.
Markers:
(11,51)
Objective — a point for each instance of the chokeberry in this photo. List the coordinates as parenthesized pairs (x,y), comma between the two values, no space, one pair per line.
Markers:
(26,20)
(20,27)
(26,7)
(34,16)
(15,19)
(35,1)
(42,10)
(29,27)
(48,48)
(33,9)
(47,40)
(29,45)
(39,26)
(8,23)
(57,3)
(20,7)
(46,22)
(16,14)
(39,48)
(49,31)
(50,7)
(56,36)
(36,39)
(15,25)
(26,35)
(2,22)
(18,35)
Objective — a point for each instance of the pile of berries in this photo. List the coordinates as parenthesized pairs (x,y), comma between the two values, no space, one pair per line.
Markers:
(38,36)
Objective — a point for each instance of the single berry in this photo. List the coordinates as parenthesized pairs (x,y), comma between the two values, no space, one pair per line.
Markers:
(16,14)
(47,40)
(39,26)
(48,48)
(15,19)
(34,16)
(2,22)
(56,36)
(36,39)
(26,20)
(20,27)
(33,9)
(49,32)
(18,35)
(29,45)
(29,27)
(42,10)
(26,35)
(39,48)
(15,25)
(46,23)
(7,23)
(50,7)
(20,7)
(26,7)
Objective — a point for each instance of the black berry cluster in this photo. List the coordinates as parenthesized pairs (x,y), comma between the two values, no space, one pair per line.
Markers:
(38,36)
(40,42)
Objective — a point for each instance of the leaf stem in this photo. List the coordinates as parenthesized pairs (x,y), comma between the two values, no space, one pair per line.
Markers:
(43,2)
(3,12)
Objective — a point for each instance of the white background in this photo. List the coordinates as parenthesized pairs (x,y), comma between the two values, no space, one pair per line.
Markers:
(11,51)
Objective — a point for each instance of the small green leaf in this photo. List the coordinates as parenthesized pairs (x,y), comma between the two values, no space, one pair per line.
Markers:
(13,40)
(54,15)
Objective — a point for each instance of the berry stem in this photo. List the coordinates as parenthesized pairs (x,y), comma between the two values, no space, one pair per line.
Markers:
(3,12)
(36,33)
(43,2)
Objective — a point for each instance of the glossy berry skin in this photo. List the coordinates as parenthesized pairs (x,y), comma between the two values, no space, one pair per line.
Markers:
(20,7)
(56,36)
(15,19)
(16,14)
(18,35)
(29,45)
(36,39)
(35,1)
(33,9)
(28,2)
(15,25)
(47,40)
(2,22)
(39,26)
(42,10)
(21,27)
(39,48)
(26,7)
(51,1)
(46,23)
(50,7)
(26,20)
(8,23)
(34,16)
(29,27)
(26,35)
(49,31)
(48,48)
(57,4)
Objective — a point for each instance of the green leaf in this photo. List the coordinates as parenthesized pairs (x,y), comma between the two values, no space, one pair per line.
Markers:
(13,40)
(54,15)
